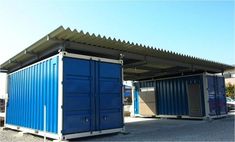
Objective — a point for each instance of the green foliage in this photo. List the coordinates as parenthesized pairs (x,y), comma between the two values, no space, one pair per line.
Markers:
(230,90)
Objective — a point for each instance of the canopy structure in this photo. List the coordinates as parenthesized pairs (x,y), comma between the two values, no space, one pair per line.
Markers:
(139,61)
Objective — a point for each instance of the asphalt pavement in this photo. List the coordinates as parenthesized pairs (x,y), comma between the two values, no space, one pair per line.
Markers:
(152,129)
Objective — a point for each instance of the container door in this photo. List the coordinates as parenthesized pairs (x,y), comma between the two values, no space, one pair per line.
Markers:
(217,99)
(212,95)
(77,94)
(109,105)
(221,97)
(147,101)
(194,100)
(92,97)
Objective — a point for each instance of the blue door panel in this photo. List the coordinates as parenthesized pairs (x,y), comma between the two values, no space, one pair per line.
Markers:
(76,95)
(110,101)
(110,95)
(73,103)
(109,70)
(76,121)
(77,67)
(110,85)
(110,119)
(222,95)
(211,93)
(79,85)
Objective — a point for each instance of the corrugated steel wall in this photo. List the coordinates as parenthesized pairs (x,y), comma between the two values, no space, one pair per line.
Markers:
(171,94)
(29,90)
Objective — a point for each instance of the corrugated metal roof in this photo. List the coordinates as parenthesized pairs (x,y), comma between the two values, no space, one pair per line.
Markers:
(62,35)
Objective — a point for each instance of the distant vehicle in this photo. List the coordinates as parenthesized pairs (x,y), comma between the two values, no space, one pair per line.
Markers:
(127,95)
(2,111)
(230,103)
(2,105)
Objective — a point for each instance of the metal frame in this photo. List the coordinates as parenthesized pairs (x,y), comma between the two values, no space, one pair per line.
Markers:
(33,64)
(218,116)
(79,56)
(6,100)
(32,131)
(165,78)
(182,116)
(60,95)
(132,99)
(123,113)
(206,95)
(210,74)
(94,133)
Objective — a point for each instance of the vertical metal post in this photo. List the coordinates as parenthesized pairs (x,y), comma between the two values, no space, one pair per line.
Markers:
(123,111)
(133,100)
(6,98)
(44,123)
(206,96)
(60,94)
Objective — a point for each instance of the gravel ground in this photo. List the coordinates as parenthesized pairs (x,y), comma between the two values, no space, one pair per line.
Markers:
(150,129)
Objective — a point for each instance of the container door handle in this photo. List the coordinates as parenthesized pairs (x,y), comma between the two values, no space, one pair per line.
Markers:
(86,119)
(105,117)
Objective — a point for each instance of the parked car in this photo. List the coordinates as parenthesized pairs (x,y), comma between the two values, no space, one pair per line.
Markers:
(230,103)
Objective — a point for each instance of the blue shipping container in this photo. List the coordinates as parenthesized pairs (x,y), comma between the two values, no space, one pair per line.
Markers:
(185,96)
(82,95)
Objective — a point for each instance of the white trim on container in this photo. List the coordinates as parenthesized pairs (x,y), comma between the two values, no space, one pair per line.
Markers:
(94,133)
(32,131)
(6,100)
(146,89)
(133,100)
(79,56)
(219,116)
(60,95)
(210,74)
(33,64)
(180,116)
(206,95)
(123,113)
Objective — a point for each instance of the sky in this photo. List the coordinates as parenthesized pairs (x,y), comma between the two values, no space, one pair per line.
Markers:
(203,29)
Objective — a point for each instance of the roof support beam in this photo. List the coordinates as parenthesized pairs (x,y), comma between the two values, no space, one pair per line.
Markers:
(116,54)
(35,58)
(156,73)
(140,63)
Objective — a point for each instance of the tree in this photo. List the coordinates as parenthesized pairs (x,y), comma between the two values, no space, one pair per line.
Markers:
(230,90)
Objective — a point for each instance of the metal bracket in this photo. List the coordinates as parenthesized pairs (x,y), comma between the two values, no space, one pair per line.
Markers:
(121,56)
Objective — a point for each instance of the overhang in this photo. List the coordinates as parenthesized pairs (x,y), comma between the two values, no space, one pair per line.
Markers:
(140,61)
